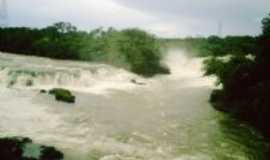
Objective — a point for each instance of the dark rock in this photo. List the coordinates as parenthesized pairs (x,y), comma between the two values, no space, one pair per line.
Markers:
(29,83)
(43,91)
(136,82)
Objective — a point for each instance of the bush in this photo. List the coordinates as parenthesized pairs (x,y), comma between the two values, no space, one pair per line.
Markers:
(50,153)
(62,95)
(13,149)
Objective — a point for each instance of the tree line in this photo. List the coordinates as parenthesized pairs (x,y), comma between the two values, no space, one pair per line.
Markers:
(213,45)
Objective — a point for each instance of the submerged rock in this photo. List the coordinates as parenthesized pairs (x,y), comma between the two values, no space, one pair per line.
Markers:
(62,95)
(17,148)
(29,83)
(43,91)
(136,82)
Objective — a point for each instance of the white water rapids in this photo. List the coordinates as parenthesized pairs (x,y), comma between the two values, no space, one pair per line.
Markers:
(168,118)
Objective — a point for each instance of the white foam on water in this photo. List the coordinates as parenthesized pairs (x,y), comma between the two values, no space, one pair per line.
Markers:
(42,73)
(169,118)
(182,65)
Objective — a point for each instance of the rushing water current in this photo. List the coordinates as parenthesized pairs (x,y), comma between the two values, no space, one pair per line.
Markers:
(166,118)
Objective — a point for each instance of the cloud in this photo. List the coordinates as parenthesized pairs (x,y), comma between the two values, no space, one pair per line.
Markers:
(164,18)
(84,13)
(202,17)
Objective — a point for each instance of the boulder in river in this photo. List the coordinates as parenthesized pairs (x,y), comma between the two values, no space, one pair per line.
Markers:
(43,91)
(63,95)
(136,82)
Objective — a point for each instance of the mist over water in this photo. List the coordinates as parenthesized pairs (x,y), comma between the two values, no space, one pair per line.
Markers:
(168,118)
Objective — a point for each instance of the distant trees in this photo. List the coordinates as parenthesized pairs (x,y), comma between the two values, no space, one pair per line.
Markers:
(240,45)
(132,49)
(214,45)
(14,39)
(56,41)
(63,27)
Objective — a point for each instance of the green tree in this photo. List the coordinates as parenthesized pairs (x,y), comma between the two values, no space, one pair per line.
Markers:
(142,52)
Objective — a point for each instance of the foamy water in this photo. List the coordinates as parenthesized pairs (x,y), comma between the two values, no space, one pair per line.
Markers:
(41,73)
(168,118)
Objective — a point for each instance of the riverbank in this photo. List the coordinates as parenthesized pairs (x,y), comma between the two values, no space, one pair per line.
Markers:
(245,83)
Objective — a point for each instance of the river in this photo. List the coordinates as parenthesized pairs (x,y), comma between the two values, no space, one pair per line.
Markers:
(165,118)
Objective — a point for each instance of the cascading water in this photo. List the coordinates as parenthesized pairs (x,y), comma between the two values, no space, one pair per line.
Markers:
(168,118)
(40,73)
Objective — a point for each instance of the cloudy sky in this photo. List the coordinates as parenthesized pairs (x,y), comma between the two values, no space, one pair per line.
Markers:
(166,18)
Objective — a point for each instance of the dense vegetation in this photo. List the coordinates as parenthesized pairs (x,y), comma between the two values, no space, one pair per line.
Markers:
(132,49)
(245,81)
(16,148)
(214,45)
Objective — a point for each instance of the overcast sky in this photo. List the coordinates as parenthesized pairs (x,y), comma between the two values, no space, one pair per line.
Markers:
(166,18)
